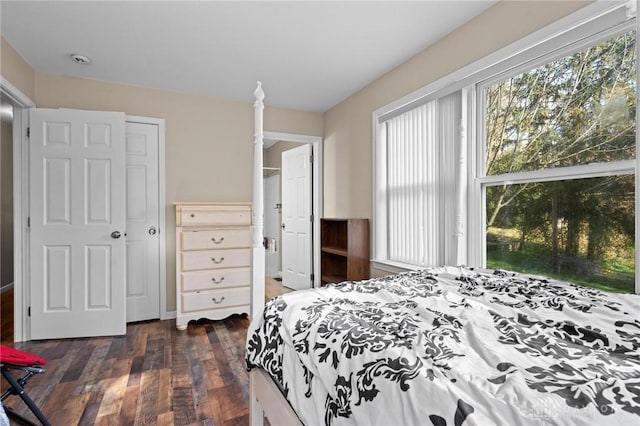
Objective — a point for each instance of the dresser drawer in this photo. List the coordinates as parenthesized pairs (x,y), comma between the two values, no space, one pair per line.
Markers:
(215,299)
(217,278)
(216,239)
(215,259)
(221,215)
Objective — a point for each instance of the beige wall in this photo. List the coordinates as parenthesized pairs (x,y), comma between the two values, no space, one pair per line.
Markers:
(16,70)
(273,155)
(348,126)
(209,142)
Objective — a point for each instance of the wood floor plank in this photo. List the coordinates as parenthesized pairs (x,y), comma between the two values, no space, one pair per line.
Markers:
(129,405)
(90,413)
(148,399)
(183,407)
(74,407)
(213,380)
(113,390)
(165,393)
(166,419)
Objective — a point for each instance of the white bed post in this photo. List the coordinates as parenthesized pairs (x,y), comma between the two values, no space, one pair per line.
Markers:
(257,292)
(256,415)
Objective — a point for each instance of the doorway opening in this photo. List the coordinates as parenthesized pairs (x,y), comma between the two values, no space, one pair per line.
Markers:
(275,145)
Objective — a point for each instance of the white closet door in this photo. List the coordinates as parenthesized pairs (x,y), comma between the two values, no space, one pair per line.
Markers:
(77,223)
(296,217)
(143,241)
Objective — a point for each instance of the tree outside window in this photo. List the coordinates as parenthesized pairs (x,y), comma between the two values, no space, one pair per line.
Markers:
(571,112)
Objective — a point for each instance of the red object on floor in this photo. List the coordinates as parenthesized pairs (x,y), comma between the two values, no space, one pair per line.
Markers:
(28,364)
(14,356)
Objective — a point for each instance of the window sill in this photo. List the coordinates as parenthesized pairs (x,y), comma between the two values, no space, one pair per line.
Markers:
(395,267)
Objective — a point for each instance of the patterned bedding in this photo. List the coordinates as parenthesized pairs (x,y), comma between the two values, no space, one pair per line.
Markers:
(453,346)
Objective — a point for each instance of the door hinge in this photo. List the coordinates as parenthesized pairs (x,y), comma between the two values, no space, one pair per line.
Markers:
(311,217)
(28,132)
(311,158)
(29,222)
(29,311)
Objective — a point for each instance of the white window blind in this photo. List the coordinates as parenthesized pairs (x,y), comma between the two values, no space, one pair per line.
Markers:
(421,146)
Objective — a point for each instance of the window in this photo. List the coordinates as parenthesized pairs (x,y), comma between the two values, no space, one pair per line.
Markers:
(419,186)
(548,125)
(532,167)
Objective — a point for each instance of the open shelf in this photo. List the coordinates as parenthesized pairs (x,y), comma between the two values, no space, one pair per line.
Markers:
(344,253)
(335,250)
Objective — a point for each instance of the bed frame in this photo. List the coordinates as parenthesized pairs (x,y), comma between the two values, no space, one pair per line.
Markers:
(265,399)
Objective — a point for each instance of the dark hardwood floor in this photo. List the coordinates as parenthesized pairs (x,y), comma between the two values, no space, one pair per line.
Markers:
(152,375)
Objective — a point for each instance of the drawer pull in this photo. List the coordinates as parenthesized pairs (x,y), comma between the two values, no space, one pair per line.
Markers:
(217,261)
(217,242)
(217,281)
(193,215)
(216,301)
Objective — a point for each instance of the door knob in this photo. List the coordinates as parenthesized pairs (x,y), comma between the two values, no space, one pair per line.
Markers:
(116,234)
(152,230)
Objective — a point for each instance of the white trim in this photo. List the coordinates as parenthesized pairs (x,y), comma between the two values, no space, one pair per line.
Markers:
(395,267)
(316,142)
(290,137)
(162,225)
(637,161)
(562,173)
(20,208)
(21,245)
(14,94)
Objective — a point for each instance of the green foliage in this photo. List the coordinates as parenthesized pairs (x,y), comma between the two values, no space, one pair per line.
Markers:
(615,274)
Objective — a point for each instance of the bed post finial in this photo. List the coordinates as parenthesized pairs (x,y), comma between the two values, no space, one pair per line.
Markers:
(258,252)
(258,93)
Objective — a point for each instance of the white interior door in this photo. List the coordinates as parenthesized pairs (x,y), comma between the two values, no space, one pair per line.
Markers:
(296,217)
(142,211)
(77,222)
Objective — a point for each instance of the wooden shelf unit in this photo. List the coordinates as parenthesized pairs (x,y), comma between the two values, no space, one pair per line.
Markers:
(344,252)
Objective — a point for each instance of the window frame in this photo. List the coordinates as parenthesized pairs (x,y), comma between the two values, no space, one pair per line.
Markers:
(588,26)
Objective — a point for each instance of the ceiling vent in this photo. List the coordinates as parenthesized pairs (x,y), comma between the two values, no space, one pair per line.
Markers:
(80,59)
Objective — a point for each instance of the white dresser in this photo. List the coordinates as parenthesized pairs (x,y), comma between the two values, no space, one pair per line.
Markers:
(213,261)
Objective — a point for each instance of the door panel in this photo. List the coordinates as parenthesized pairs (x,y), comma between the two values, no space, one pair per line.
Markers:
(57,279)
(296,217)
(77,269)
(142,215)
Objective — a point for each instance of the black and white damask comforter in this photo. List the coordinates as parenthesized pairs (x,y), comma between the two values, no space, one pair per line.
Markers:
(453,346)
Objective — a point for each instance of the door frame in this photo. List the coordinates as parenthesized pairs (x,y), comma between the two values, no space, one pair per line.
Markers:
(21,281)
(22,103)
(316,196)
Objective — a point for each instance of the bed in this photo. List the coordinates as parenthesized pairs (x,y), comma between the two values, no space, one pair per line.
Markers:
(440,346)
(453,345)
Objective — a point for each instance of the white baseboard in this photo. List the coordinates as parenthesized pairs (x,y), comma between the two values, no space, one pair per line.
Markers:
(169,315)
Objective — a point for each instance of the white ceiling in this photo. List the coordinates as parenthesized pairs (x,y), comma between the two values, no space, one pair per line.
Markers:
(309,55)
